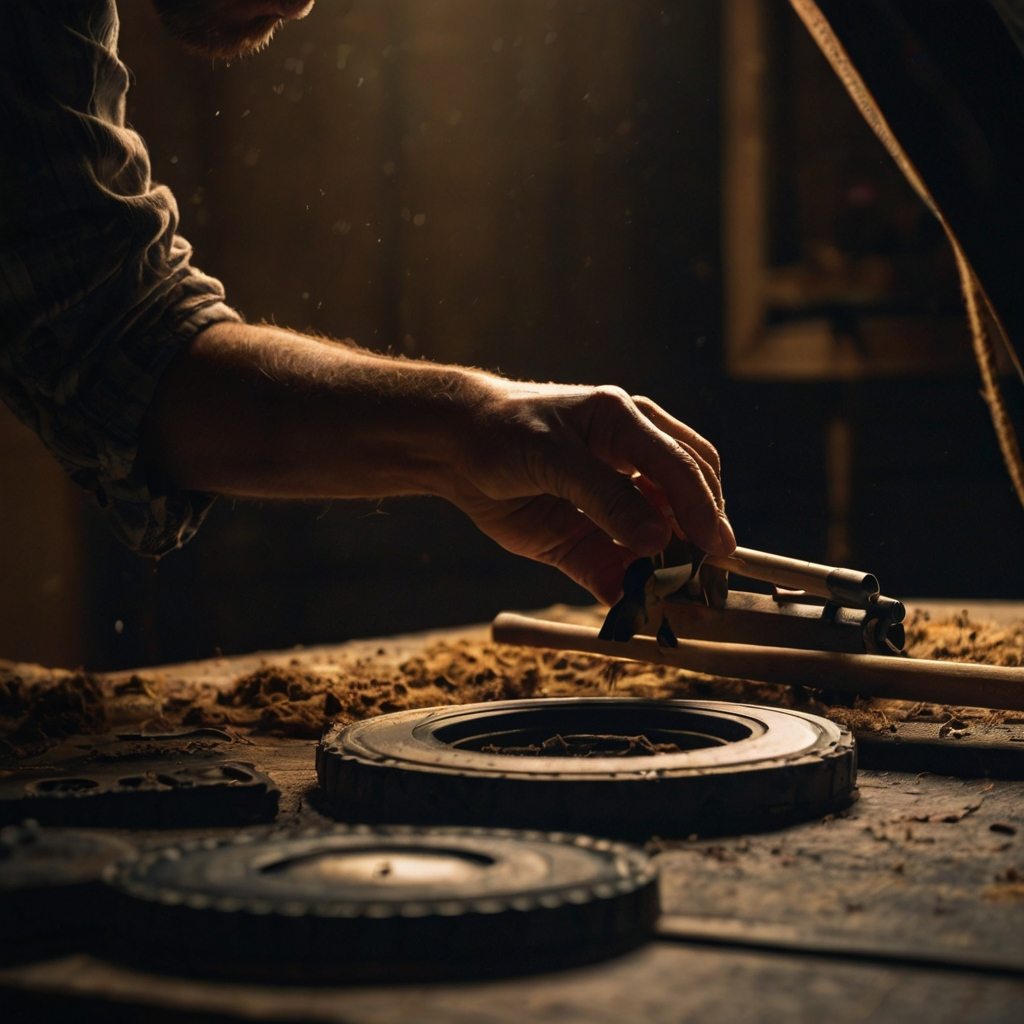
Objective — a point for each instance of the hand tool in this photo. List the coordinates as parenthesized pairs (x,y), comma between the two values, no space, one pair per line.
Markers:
(812,607)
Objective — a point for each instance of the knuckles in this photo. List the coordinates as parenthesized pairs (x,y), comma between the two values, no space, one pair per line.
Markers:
(610,399)
(707,451)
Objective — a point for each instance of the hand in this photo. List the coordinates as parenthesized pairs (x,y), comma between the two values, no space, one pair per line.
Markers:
(585,479)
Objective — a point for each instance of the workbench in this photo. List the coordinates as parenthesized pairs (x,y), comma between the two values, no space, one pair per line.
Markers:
(908,905)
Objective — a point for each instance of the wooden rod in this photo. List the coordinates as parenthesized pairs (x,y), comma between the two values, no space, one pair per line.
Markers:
(846,586)
(938,682)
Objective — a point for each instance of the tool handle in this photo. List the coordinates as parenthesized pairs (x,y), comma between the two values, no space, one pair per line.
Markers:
(939,682)
(848,587)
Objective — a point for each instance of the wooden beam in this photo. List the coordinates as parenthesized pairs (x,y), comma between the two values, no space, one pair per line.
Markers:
(939,682)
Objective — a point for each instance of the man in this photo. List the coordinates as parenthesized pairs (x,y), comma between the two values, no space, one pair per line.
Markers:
(153,393)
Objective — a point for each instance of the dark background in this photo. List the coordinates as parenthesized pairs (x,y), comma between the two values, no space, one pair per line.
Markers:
(530,185)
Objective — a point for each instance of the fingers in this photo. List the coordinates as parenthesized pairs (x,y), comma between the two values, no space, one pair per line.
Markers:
(687,476)
(695,506)
(702,450)
(681,432)
(570,470)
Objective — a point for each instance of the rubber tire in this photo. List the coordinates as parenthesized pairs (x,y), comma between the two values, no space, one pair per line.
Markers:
(400,767)
(218,908)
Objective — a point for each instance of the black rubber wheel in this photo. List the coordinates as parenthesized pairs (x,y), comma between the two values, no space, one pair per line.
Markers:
(388,903)
(52,897)
(141,794)
(737,767)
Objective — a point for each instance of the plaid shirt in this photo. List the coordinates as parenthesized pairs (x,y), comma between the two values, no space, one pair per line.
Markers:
(97,295)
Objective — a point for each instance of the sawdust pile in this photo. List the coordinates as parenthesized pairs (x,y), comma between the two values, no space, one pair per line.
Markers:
(296,701)
(297,696)
(962,639)
(38,707)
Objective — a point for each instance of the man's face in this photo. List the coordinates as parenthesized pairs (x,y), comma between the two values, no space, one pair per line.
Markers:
(227,28)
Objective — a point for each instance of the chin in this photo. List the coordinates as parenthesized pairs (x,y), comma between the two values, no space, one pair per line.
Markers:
(295,10)
(206,29)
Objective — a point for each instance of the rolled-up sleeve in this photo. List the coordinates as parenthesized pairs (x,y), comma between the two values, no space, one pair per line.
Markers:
(97,292)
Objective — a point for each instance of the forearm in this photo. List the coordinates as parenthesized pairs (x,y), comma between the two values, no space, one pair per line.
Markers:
(264,412)
(583,478)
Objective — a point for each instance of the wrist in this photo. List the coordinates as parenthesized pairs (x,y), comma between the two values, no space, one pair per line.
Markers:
(450,423)
(408,423)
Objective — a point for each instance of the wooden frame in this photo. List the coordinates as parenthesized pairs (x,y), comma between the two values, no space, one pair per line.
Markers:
(759,345)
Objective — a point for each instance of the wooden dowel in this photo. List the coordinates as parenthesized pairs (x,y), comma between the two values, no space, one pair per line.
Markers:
(846,586)
(938,682)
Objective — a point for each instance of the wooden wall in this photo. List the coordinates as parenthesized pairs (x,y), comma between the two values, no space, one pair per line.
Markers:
(528,185)
(459,179)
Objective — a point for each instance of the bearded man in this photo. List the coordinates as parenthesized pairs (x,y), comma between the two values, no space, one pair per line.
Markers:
(156,395)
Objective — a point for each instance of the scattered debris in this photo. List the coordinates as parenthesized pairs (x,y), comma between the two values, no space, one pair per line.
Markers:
(298,696)
(1008,888)
(962,638)
(38,708)
(587,746)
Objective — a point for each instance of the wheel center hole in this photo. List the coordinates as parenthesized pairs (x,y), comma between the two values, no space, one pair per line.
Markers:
(592,731)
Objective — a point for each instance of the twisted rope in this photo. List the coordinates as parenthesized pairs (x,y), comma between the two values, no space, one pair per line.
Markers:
(983,324)
(982,317)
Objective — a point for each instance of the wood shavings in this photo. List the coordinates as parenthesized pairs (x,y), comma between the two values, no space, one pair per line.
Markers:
(38,708)
(296,696)
(962,638)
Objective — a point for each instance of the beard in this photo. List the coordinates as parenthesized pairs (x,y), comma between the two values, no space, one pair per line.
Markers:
(205,29)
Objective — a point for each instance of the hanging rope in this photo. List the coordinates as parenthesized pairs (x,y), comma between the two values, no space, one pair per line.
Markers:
(983,324)
(983,320)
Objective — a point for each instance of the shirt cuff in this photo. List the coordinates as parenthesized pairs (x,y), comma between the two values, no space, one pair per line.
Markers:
(144,515)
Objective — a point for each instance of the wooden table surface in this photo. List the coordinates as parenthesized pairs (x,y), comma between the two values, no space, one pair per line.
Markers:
(847,919)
